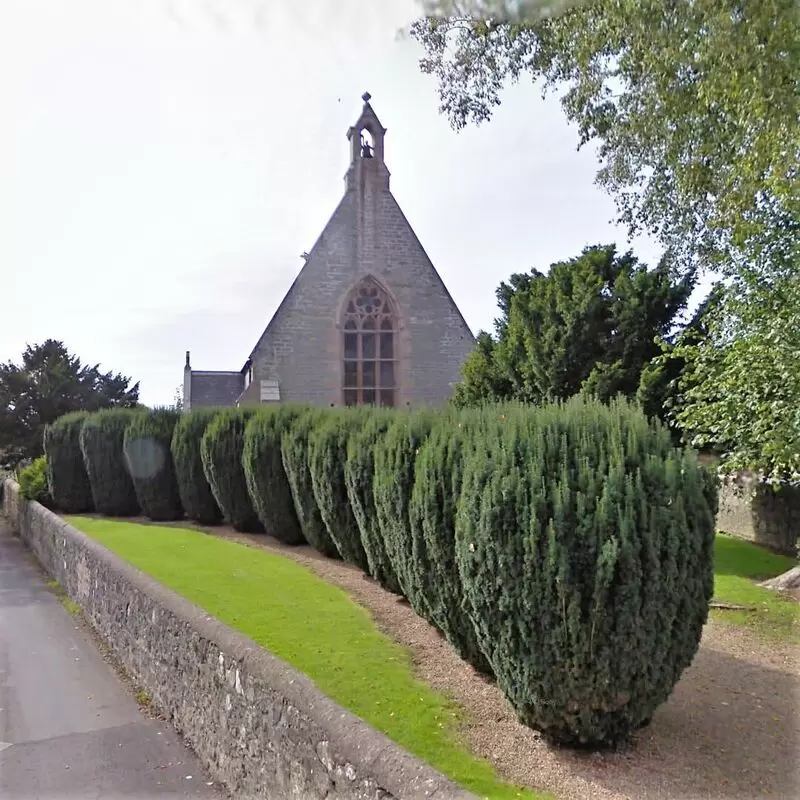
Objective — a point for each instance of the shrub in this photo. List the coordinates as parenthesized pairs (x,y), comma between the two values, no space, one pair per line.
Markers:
(432,518)
(33,482)
(147,453)
(221,450)
(101,438)
(327,453)
(584,545)
(395,454)
(66,472)
(267,484)
(294,451)
(359,473)
(196,498)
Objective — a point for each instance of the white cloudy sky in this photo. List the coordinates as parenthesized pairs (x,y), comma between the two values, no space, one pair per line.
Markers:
(164,164)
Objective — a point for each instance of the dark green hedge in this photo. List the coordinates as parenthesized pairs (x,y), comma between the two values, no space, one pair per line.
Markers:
(221,450)
(359,473)
(584,544)
(395,456)
(327,453)
(267,484)
(294,451)
(149,459)
(195,493)
(66,472)
(101,438)
(438,471)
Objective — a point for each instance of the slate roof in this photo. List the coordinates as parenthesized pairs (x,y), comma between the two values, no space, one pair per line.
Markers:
(216,388)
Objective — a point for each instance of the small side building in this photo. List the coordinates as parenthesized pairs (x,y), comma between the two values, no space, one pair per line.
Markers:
(368,319)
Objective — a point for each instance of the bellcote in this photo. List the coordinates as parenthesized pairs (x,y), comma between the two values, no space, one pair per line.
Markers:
(366,139)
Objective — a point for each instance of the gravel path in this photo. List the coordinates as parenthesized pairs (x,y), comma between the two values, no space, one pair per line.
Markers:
(731,728)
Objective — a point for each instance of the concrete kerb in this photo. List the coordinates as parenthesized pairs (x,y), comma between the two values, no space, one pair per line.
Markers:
(372,754)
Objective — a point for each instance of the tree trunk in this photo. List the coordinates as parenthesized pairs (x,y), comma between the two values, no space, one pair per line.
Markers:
(789,580)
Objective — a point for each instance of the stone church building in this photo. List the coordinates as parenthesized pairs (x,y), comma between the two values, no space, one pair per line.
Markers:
(367,319)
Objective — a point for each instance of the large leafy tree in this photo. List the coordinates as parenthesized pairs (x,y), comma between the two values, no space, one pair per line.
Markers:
(694,106)
(590,324)
(48,383)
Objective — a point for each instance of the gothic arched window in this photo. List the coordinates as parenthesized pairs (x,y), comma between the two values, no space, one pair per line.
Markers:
(369,347)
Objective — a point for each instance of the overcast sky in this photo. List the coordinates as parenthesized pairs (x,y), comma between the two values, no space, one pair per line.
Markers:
(164,163)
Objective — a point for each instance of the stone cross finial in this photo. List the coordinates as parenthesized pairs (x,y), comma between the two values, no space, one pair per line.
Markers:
(366,97)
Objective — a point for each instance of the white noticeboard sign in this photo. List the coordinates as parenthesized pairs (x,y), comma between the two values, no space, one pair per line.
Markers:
(270,392)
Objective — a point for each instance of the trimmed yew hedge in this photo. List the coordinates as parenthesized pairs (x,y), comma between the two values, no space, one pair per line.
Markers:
(66,472)
(196,497)
(149,458)
(267,484)
(327,453)
(221,449)
(395,456)
(565,549)
(359,472)
(294,452)
(584,544)
(102,439)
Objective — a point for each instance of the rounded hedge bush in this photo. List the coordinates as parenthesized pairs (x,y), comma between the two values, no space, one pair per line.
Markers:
(196,497)
(221,451)
(69,484)
(149,458)
(294,451)
(584,544)
(327,453)
(267,484)
(101,438)
(438,471)
(33,482)
(395,455)
(359,474)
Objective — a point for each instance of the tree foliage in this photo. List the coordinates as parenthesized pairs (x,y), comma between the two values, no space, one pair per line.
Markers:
(66,471)
(693,105)
(588,325)
(584,544)
(48,383)
(149,458)
(195,493)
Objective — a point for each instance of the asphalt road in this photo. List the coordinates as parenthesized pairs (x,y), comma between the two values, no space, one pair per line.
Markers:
(69,727)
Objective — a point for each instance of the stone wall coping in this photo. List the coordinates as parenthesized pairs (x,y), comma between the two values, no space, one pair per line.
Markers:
(396,771)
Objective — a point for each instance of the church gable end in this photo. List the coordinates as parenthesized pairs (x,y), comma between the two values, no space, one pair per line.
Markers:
(368,318)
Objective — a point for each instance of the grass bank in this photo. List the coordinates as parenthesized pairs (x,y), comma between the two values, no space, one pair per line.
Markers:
(316,628)
(738,566)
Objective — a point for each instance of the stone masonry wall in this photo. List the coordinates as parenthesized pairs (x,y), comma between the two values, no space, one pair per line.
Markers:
(262,729)
(760,515)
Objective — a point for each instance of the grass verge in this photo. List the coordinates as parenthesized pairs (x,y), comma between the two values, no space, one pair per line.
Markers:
(316,628)
(738,566)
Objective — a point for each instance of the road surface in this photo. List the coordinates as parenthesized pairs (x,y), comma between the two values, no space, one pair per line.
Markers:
(69,727)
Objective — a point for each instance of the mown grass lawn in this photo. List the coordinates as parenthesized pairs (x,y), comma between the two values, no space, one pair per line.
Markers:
(738,566)
(315,627)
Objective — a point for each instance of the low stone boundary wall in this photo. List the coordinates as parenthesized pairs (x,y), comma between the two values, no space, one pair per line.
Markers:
(261,728)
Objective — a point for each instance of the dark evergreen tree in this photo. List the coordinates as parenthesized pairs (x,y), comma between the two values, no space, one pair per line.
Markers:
(102,440)
(327,454)
(221,449)
(267,484)
(149,459)
(66,472)
(584,544)
(395,457)
(294,451)
(359,473)
(195,493)
(432,517)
